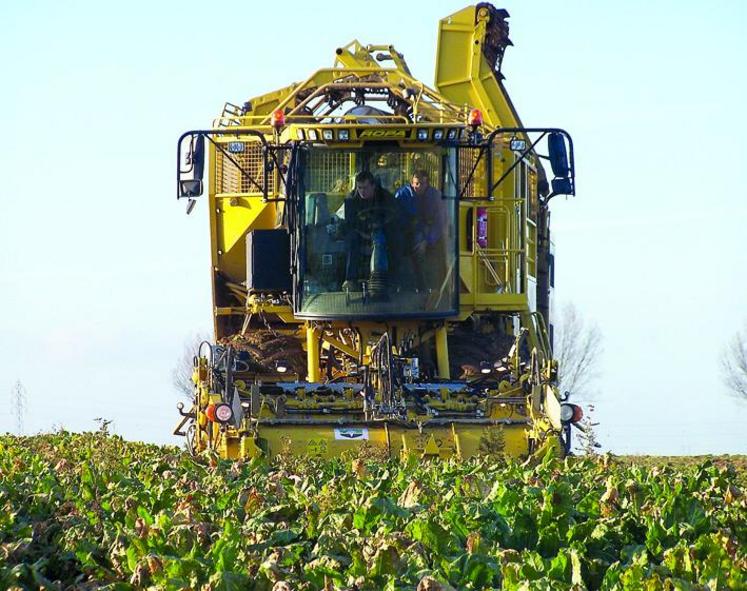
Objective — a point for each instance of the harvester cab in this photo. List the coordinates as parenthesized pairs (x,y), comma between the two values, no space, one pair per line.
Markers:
(382,267)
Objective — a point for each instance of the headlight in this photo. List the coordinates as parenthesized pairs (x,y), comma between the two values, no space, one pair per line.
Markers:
(343,135)
(571,413)
(223,412)
(312,135)
(328,135)
(299,134)
(438,134)
(422,134)
(453,133)
(518,145)
(236,147)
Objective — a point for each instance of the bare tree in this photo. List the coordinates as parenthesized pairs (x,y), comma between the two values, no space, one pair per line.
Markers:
(181,375)
(578,347)
(734,363)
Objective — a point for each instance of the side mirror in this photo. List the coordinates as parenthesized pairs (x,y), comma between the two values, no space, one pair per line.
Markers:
(558,155)
(562,186)
(192,164)
(190,188)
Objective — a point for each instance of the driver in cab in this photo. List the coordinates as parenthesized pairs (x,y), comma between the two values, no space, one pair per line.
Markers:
(369,213)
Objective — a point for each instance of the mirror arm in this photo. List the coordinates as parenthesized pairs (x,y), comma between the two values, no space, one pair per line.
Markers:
(544,131)
(211,132)
(517,162)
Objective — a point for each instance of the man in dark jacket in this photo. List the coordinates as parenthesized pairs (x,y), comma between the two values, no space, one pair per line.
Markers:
(369,216)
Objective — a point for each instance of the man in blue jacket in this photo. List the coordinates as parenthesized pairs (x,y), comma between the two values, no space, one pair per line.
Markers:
(424,221)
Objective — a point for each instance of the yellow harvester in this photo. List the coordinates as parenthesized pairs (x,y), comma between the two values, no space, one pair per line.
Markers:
(382,267)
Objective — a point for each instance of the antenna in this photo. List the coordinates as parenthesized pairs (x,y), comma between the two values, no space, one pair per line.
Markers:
(18,405)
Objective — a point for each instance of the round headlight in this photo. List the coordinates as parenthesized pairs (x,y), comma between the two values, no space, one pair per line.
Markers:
(571,413)
(223,412)
(566,412)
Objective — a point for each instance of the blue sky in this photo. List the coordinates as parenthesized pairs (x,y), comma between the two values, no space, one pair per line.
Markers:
(103,277)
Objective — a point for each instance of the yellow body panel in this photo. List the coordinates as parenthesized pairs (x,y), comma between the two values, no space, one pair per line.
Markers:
(456,440)
(238,215)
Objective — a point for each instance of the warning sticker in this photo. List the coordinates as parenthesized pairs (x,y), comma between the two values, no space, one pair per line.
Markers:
(351,434)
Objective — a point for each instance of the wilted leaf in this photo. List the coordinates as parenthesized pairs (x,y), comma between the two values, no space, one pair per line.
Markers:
(429,583)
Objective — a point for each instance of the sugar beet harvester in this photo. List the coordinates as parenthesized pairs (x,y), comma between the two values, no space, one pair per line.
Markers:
(382,267)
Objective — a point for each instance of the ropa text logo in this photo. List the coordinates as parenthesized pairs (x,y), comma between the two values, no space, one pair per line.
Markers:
(382,133)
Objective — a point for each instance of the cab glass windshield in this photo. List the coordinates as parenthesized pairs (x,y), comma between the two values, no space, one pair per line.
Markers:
(377,233)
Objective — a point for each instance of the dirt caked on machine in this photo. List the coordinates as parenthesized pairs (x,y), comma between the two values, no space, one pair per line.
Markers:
(382,268)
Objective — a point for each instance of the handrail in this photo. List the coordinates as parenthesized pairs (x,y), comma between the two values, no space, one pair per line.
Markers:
(544,338)
(489,266)
(510,254)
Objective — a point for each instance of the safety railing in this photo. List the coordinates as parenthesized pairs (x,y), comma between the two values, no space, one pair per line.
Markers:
(493,251)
